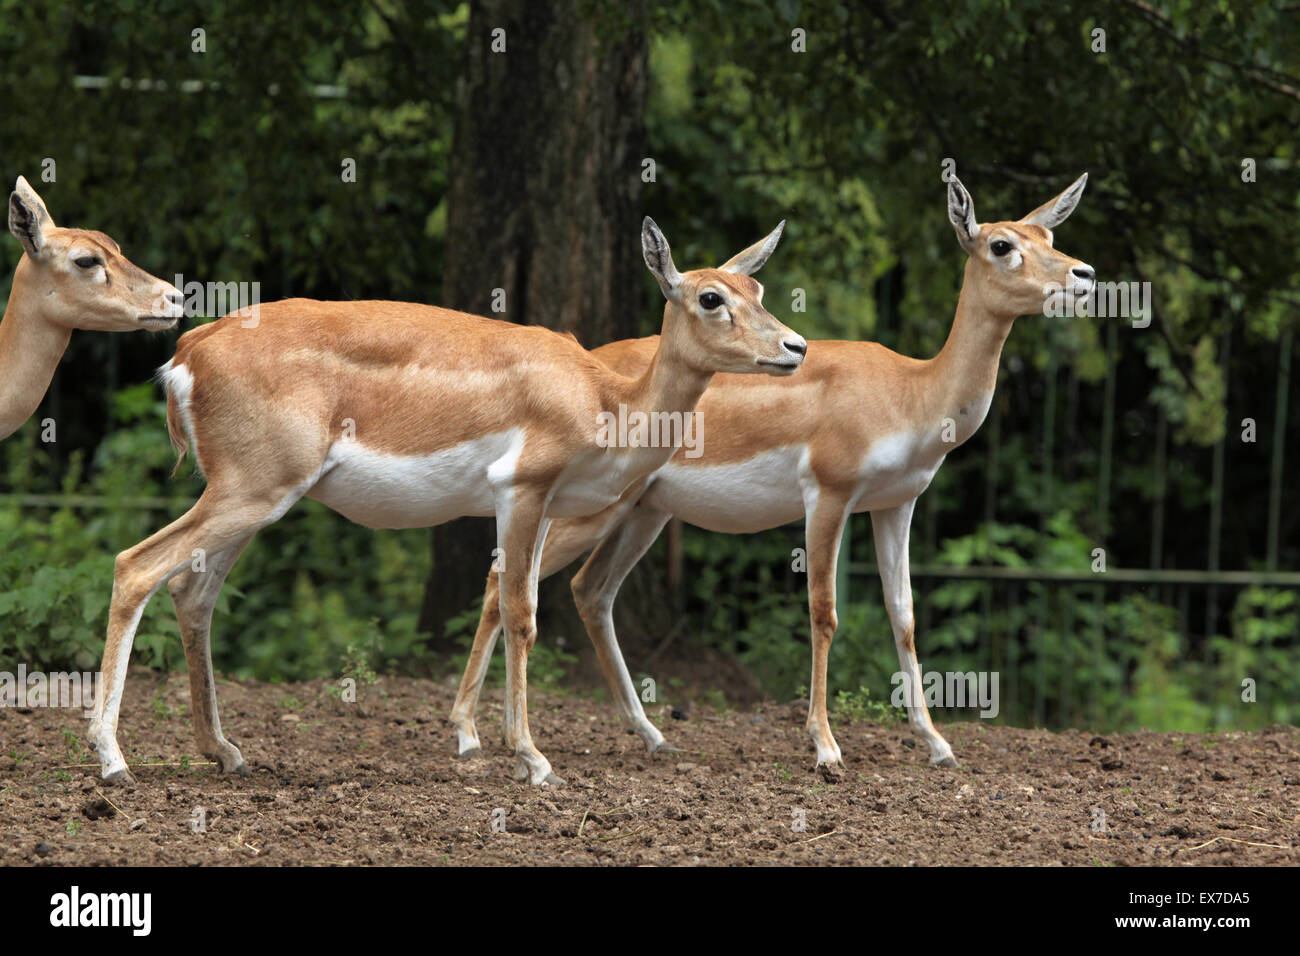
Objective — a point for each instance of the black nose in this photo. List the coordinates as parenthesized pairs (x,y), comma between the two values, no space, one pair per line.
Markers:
(1084,272)
(797,346)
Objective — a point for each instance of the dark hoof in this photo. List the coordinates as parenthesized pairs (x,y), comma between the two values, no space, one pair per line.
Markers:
(471,753)
(946,762)
(120,778)
(553,781)
(666,748)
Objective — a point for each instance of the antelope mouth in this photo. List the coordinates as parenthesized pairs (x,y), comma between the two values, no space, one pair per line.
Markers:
(783,367)
(154,323)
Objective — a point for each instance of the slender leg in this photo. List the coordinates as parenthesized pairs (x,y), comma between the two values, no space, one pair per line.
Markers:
(216,522)
(521,534)
(476,668)
(569,539)
(194,594)
(891,528)
(596,586)
(826,514)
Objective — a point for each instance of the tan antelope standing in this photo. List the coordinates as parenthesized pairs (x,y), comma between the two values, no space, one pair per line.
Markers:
(67,279)
(861,428)
(405,416)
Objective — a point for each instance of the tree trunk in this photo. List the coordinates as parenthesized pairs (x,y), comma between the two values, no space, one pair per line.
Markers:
(543,203)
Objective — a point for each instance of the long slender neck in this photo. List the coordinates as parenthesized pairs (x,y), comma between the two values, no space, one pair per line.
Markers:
(965,371)
(30,349)
(670,383)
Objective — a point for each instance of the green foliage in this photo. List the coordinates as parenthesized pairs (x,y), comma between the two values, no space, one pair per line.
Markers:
(856,706)
(1065,657)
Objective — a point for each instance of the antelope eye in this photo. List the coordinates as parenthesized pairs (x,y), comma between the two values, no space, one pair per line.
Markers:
(1001,247)
(710,301)
(87,262)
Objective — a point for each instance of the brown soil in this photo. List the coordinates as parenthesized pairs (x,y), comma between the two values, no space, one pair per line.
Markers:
(334,785)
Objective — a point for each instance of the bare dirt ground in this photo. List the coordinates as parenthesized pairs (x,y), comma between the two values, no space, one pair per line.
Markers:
(335,785)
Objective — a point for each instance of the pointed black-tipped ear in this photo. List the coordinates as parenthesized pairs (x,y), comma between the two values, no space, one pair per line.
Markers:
(752,259)
(1055,211)
(659,260)
(961,211)
(28,217)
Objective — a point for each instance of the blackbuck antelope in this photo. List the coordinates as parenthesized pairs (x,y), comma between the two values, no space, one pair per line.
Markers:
(405,416)
(860,429)
(67,279)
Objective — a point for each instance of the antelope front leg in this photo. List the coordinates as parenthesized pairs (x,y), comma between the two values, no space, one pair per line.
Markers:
(522,540)
(825,526)
(137,574)
(565,542)
(891,528)
(212,525)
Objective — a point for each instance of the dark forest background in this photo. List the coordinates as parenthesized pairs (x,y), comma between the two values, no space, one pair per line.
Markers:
(529,170)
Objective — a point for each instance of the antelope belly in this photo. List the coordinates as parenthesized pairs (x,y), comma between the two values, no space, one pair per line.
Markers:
(384,490)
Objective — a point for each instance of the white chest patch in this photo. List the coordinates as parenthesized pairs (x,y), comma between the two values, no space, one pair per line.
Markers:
(382,490)
(897,468)
(594,479)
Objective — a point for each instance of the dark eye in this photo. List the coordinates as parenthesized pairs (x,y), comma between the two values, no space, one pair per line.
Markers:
(1001,247)
(87,262)
(710,301)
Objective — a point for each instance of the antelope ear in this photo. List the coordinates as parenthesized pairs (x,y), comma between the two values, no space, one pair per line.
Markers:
(659,260)
(751,260)
(961,212)
(28,217)
(1055,211)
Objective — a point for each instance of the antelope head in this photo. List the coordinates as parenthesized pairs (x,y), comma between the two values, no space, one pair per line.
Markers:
(715,317)
(79,279)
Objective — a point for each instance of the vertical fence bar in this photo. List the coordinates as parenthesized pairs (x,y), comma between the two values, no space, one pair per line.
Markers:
(842,566)
(1158,499)
(1013,665)
(1216,503)
(1279,449)
(1049,426)
(114,374)
(990,516)
(1067,664)
(1049,451)
(1098,651)
(1040,681)
(674,560)
(1107,435)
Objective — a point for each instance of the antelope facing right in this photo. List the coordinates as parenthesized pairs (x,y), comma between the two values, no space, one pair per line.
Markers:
(861,428)
(67,279)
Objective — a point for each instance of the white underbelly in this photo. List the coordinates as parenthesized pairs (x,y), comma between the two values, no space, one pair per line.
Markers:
(737,498)
(767,491)
(383,490)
